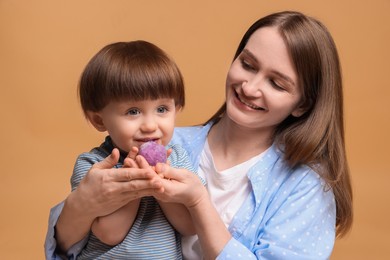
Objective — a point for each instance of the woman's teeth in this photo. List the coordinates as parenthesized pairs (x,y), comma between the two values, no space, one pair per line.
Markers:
(250,105)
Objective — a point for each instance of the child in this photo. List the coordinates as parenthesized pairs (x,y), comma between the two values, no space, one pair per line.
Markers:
(133,91)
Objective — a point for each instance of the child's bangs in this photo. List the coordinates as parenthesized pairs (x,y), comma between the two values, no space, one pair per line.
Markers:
(149,79)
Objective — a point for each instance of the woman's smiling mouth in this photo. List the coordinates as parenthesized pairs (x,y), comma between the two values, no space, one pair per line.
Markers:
(248,104)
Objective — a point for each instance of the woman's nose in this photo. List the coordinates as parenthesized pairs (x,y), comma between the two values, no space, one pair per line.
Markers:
(252,88)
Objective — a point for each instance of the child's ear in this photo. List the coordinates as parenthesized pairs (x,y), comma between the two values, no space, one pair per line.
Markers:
(178,108)
(96,120)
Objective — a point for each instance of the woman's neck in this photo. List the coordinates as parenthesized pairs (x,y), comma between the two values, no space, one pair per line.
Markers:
(231,144)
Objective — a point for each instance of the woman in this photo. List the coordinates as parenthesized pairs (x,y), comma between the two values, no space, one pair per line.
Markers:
(273,155)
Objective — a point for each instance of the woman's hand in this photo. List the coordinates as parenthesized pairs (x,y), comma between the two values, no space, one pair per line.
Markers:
(175,211)
(180,186)
(184,187)
(103,190)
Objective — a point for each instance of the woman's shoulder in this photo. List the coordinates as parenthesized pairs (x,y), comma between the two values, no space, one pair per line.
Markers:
(190,136)
(276,182)
(274,167)
(303,180)
(187,131)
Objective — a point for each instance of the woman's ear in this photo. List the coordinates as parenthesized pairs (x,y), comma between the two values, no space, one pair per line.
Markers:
(299,111)
(96,120)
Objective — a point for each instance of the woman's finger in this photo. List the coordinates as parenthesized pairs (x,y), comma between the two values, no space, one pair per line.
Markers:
(130,174)
(138,188)
(108,162)
(171,173)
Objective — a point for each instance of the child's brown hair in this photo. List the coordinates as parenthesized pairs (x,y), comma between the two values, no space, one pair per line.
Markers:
(136,70)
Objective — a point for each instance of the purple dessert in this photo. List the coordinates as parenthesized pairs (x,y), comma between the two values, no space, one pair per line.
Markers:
(153,153)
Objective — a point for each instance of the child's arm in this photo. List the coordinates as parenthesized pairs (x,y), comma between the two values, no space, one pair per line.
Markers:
(177,214)
(179,217)
(113,228)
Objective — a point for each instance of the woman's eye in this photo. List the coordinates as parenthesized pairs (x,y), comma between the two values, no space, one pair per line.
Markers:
(246,65)
(162,109)
(133,112)
(276,85)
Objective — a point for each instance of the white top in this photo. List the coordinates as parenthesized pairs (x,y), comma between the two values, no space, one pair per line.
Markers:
(228,189)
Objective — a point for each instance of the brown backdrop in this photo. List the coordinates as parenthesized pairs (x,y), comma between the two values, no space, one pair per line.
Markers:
(44,46)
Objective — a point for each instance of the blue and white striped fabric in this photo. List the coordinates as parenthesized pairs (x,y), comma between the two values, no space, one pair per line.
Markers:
(151,236)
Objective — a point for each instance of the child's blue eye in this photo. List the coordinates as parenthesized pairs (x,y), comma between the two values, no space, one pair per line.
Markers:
(162,109)
(133,112)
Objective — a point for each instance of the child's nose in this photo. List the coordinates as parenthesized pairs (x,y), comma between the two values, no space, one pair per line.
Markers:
(149,125)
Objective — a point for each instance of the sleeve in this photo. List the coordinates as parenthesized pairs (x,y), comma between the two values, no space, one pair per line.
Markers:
(297,223)
(83,164)
(235,250)
(51,243)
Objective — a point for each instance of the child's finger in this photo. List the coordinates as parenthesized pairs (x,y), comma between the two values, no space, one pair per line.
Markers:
(169,151)
(129,163)
(133,153)
(141,161)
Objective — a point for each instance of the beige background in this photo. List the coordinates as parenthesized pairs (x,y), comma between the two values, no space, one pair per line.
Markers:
(44,46)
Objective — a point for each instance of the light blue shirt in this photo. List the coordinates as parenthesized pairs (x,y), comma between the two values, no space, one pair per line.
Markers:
(289,214)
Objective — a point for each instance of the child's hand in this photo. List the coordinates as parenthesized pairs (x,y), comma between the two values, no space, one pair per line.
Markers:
(130,160)
(143,164)
(105,189)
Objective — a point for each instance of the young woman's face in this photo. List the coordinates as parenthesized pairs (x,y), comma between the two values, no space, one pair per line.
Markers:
(132,123)
(262,87)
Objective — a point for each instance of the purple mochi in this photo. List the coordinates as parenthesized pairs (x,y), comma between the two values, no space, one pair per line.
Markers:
(153,153)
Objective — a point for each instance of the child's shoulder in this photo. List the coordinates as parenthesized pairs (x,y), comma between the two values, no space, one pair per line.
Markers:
(178,154)
(179,157)
(95,155)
